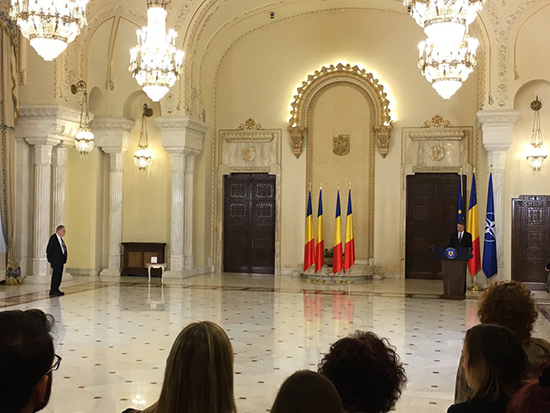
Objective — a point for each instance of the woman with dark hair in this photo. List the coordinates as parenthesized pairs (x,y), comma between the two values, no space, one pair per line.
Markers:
(199,373)
(366,371)
(494,365)
(534,397)
(307,392)
(511,305)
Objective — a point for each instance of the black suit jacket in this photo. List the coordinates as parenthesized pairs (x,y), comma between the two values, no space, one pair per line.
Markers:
(466,241)
(54,252)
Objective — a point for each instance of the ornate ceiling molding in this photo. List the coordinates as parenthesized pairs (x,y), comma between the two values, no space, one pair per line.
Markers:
(342,74)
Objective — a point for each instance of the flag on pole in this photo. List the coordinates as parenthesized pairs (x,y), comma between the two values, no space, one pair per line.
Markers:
(349,254)
(459,215)
(320,247)
(337,258)
(474,263)
(309,249)
(490,267)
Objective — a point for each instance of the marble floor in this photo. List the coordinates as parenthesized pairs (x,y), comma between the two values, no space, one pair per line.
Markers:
(114,337)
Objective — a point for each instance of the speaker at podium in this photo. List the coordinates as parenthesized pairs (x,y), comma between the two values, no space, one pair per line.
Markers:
(453,265)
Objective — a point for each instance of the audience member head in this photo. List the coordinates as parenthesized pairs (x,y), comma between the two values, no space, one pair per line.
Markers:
(366,371)
(534,397)
(511,305)
(26,359)
(199,372)
(494,362)
(307,392)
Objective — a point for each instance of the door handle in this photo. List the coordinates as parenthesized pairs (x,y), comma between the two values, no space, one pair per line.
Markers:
(253,243)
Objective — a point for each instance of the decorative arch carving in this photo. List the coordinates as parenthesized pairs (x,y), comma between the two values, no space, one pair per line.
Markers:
(340,74)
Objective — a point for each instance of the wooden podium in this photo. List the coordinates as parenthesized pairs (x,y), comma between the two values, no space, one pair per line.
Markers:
(453,265)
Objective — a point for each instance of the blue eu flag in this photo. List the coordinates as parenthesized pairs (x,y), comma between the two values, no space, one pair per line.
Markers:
(459,212)
(490,267)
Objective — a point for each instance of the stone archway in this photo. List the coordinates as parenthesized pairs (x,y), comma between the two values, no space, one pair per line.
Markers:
(378,132)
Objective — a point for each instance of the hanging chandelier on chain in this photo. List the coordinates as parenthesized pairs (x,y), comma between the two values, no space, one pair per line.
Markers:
(155,62)
(448,55)
(446,68)
(84,139)
(143,155)
(50,25)
(537,152)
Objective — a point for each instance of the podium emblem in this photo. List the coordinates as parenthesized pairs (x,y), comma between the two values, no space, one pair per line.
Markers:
(450,253)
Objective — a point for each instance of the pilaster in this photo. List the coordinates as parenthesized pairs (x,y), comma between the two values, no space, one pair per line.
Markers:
(113,136)
(498,127)
(183,139)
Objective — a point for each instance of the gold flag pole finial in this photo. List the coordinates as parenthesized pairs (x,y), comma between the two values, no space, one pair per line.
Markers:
(321,186)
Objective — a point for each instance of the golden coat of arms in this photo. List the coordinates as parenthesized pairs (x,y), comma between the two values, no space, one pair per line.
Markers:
(341,145)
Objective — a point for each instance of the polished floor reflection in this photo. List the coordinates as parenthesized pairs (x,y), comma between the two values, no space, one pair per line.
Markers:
(114,337)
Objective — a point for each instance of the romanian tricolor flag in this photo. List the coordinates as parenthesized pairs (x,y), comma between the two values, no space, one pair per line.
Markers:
(349,254)
(337,258)
(474,264)
(320,246)
(309,250)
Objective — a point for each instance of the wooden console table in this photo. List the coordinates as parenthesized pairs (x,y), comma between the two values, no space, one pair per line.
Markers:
(138,254)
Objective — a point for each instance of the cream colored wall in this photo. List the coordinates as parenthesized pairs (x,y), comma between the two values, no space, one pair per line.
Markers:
(83,209)
(146,193)
(258,77)
(342,110)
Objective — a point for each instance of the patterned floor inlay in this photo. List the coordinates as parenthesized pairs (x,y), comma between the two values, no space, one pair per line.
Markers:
(114,337)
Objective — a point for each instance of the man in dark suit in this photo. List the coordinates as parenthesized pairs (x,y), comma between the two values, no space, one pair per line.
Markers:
(56,252)
(461,238)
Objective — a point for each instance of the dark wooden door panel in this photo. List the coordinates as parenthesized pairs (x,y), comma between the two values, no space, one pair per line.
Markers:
(530,239)
(431,215)
(249,223)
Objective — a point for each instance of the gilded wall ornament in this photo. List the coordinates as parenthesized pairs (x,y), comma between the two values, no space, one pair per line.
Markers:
(341,144)
(249,154)
(437,122)
(437,153)
(250,124)
(296,140)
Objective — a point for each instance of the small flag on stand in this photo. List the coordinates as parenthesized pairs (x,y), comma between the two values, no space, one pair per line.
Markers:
(337,258)
(309,249)
(474,263)
(320,247)
(349,254)
(490,266)
(459,215)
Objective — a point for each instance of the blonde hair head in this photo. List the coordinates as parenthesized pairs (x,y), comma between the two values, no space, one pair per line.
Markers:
(199,372)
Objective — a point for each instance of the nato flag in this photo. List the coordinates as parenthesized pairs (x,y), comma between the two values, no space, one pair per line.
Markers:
(490,267)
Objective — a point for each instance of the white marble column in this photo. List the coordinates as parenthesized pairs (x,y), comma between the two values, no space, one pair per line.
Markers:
(116,171)
(113,135)
(59,171)
(182,138)
(41,222)
(188,212)
(177,211)
(498,129)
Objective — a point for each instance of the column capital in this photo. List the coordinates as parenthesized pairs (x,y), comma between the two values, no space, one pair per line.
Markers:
(47,125)
(498,128)
(182,134)
(112,135)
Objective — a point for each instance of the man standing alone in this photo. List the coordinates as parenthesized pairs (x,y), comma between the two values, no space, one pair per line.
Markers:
(56,252)
(460,238)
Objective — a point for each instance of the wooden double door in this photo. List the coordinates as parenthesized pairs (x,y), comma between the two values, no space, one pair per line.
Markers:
(432,200)
(249,223)
(531,240)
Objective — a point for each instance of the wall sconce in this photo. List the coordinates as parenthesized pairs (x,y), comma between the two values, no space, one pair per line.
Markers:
(84,139)
(144,156)
(537,152)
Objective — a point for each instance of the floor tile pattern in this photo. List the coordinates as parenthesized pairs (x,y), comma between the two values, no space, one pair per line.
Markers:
(114,337)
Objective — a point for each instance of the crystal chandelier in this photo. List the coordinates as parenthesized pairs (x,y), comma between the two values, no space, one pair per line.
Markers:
(144,156)
(155,62)
(537,153)
(84,139)
(50,25)
(446,66)
(444,20)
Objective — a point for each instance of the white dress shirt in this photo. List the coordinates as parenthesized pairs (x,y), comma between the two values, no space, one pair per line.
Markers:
(60,242)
